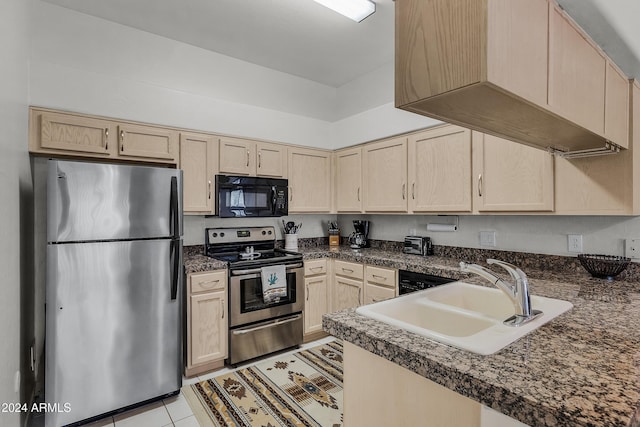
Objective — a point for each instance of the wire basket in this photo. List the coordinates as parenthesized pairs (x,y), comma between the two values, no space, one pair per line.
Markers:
(603,266)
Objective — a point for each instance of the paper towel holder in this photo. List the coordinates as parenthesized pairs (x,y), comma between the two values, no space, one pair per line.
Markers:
(444,227)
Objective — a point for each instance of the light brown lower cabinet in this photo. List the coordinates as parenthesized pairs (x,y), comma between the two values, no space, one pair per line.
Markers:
(380,284)
(348,287)
(316,297)
(207,322)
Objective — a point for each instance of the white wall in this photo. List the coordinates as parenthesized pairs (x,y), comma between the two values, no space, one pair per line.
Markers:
(15,186)
(86,64)
(366,110)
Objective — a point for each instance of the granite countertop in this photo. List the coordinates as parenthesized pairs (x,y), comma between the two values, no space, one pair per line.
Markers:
(581,369)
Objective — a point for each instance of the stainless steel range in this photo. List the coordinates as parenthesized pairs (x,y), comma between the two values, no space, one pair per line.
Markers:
(257,327)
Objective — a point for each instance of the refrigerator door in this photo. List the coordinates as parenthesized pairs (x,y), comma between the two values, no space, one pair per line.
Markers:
(93,201)
(113,335)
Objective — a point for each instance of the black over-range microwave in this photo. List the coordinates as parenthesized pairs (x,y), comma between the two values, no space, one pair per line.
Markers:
(247,196)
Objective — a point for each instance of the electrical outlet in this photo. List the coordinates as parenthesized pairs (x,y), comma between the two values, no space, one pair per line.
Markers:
(574,243)
(632,248)
(488,238)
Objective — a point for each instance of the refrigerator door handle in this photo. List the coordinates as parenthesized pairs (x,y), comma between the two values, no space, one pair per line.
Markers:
(174,217)
(174,255)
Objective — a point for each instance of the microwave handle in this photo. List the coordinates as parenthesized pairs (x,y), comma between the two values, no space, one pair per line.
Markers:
(274,198)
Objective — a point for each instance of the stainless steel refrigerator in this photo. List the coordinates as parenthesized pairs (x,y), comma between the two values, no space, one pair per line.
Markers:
(113,288)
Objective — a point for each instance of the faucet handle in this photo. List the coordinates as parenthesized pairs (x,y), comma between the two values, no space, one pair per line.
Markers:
(515,273)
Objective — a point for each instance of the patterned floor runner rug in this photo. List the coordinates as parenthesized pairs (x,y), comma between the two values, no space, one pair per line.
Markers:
(300,389)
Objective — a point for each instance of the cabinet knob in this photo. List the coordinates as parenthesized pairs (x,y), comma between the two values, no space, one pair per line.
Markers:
(480,185)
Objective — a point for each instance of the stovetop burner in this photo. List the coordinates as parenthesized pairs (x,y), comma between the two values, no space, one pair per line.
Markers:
(232,244)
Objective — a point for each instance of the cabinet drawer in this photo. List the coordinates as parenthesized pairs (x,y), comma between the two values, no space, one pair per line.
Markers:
(374,293)
(209,281)
(349,269)
(381,276)
(314,267)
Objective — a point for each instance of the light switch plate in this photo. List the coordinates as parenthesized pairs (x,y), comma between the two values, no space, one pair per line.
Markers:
(488,238)
(632,248)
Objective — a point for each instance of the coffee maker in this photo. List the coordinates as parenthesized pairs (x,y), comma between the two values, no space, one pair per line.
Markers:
(358,239)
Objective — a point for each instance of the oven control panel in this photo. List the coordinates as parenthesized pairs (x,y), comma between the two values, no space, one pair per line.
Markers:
(238,235)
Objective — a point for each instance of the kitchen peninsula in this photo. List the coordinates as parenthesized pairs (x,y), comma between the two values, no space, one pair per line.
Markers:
(581,369)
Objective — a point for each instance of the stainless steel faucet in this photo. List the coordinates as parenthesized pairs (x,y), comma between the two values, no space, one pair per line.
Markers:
(518,292)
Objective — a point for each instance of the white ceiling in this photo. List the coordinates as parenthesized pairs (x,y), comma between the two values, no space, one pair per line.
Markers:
(303,38)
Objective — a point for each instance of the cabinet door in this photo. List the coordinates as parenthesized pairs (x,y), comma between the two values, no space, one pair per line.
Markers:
(309,180)
(616,119)
(315,302)
(349,180)
(69,134)
(147,143)
(576,74)
(271,160)
(237,156)
(517,50)
(199,165)
(440,170)
(511,177)
(375,293)
(208,330)
(347,293)
(385,176)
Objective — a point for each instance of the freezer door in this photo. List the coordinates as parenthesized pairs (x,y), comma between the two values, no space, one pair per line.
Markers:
(112,326)
(94,201)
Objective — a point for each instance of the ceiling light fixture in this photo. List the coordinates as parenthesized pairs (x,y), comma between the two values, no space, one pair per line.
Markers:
(352,9)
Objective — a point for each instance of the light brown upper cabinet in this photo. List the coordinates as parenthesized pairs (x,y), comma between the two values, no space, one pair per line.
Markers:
(616,118)
(511,177)
(309,180)
(199,163)
(55,132)
(576,74)
(603,185)
(255,158)
(77,135)
(142,142)
(483,64)
(349,180)
(440,170)
(385,175)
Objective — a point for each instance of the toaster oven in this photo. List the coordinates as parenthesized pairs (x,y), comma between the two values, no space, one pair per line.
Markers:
(418,245)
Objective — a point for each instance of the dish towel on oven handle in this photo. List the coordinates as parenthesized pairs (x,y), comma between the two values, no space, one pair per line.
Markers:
(274,283)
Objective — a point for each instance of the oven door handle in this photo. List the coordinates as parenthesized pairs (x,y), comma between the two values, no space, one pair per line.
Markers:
(258,270)
(270,325)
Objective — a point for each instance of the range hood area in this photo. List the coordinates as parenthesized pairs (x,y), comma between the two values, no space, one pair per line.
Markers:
(521,70)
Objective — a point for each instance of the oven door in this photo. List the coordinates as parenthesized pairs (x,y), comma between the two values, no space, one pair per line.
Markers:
(251,197)
(246,302)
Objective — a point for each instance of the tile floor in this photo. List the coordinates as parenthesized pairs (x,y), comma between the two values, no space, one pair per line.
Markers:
(176,411)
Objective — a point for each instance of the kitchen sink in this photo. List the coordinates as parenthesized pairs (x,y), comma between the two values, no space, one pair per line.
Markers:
(462,315)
